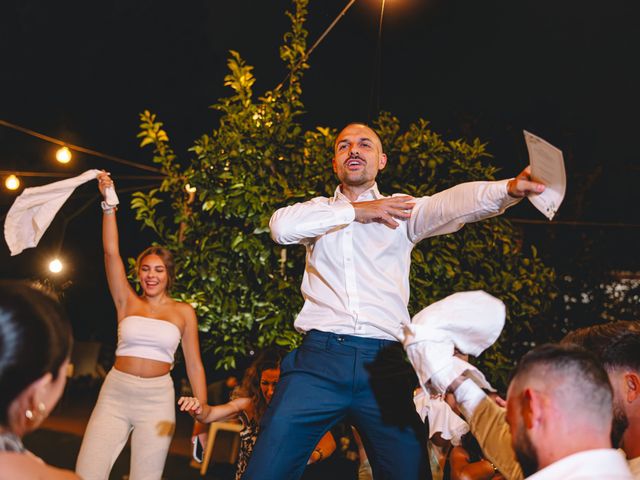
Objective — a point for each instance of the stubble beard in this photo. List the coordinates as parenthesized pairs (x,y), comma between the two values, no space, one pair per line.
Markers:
(619,425)
(526,452)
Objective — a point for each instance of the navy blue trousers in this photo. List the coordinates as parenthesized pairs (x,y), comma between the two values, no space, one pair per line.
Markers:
(331,377)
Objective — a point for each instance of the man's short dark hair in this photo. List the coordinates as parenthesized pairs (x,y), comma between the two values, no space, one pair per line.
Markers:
(573,374)
(616,344)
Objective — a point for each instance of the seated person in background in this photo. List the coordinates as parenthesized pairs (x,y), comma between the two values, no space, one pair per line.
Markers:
(248,405)
(35,345)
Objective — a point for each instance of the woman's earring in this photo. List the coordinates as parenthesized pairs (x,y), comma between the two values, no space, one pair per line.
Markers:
(29,414)
(41,408)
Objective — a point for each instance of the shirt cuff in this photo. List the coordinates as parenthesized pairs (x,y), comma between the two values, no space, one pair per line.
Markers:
(468,396)
(344,212)
(508,199)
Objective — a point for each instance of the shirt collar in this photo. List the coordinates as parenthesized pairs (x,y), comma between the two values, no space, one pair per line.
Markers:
(370,194)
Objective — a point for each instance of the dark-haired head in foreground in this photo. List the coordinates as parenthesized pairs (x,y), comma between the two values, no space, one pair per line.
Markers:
(557,389)
(35,344)
(617,346)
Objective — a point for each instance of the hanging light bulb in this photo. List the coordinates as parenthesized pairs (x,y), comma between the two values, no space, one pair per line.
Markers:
(12,182)
(55,266)
(63,155)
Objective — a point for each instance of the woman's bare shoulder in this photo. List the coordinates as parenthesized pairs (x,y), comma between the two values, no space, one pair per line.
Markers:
(21,466)
(185,310)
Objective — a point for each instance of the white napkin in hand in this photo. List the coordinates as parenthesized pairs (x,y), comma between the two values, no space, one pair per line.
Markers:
(35,208)
(111,198)
(470,321)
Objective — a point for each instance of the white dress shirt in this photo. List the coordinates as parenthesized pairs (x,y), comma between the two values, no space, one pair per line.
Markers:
(600,464)
(356,280)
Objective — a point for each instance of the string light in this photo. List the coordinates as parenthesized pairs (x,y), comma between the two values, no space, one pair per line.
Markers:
(55,266)
(63,155)
(12,182)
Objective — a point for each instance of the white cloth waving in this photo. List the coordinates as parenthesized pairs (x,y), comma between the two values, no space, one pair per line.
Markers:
(467,321)
(35,208)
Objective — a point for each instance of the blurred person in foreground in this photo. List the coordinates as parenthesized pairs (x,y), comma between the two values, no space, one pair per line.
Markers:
(35,345)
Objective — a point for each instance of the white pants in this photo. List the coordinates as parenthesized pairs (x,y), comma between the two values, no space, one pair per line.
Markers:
(126,404)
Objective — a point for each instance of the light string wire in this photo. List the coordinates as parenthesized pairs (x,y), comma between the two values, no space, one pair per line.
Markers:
(306,56)
(376,77)
(78,148)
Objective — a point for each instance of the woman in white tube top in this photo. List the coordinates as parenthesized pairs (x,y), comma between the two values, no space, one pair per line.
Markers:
(137,396)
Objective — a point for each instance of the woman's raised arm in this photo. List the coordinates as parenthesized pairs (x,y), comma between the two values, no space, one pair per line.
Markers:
(114,267)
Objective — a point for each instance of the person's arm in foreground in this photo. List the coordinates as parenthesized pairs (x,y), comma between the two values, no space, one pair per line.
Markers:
(213,413)
(488,424)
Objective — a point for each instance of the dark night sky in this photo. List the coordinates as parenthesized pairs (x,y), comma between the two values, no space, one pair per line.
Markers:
(82,71)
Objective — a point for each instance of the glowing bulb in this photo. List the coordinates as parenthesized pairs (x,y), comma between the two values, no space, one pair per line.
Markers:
(63,155)
(12,182)
(55,266)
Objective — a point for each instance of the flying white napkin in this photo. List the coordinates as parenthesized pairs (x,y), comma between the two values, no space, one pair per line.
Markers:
(467,321)
(34,209)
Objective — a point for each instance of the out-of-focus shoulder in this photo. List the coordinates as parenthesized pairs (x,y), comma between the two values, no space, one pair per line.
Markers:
(21,466)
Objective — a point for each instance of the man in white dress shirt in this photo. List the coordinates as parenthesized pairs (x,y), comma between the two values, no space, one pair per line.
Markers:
(356,290)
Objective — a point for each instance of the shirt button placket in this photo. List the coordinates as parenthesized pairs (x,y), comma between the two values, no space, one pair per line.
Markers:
(350,273)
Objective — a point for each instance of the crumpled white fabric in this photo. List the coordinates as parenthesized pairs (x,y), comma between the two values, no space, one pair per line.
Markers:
(442,419)
(469,321)
(35,208)
(472,372)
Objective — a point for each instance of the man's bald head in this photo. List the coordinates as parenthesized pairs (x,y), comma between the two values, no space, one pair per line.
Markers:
(374,135)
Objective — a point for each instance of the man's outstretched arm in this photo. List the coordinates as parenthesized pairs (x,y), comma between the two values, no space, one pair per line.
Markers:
(448,211)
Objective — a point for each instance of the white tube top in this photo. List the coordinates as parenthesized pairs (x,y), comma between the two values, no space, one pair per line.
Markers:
(146,337)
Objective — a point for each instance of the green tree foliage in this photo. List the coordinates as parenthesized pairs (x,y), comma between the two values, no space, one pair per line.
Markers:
(244,287)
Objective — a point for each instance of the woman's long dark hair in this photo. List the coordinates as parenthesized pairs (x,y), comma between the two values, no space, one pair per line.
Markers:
(35,339)
(250,387)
